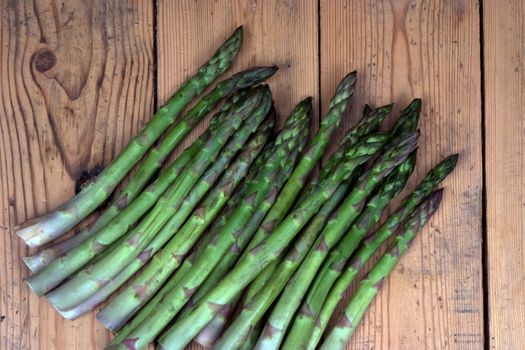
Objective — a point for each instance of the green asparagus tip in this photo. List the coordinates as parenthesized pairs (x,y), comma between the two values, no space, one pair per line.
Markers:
(238,33)
(268,70)
(235,39)
(413,107)
(434,199)
(306,104)
(348,82)
(251,76)
(408,119)
(386,108)
(417,102)
(454,158)
(450,163)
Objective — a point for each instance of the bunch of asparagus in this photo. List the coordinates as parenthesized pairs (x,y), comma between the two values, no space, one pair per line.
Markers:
(237,221)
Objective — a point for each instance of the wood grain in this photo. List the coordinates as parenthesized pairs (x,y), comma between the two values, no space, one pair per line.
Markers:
(504,34)
(76,83)
(430,49)
(275,32)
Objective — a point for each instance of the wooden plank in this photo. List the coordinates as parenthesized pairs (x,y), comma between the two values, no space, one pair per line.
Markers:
(275,32)
(76,84)
(504,34)
(430,49)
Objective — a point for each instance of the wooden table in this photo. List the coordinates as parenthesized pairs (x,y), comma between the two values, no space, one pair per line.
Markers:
(79,78)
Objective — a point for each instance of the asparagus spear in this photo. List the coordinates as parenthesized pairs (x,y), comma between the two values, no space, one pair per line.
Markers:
(205,208)
(369,123)
(59,269)
(163,264)
(408,119)
(232,255)
(44,257)
(369,286)
(372,244)
(250,265)
(315,149)
(89,280)
(42,230)
(255,306)
(346,214)
(50,276)
(233,175)
(332,266)
(280,163)
(153,162)
(180,293)
(228,260)
(197,250)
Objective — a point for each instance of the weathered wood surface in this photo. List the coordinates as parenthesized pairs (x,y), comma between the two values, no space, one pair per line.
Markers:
(504,53)
(76,83)
(406,49)
(77,79)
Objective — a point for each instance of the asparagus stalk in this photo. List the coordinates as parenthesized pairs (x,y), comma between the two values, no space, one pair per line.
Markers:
(332,266)
(181,271)
(253,336)
(44,257)
(408,120)
(346,214)
(42,230)
(280,163)
(369,123)
(232,255)
(152,162)
(250,265)
(255,306)
(233,175)
(369,286)
(89,280)
(228,260)
(331,269)
(374,242)
(129,301)
(205,208)
(59,269)
(225,264)
(315,149)
(176,298)
(129,214)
